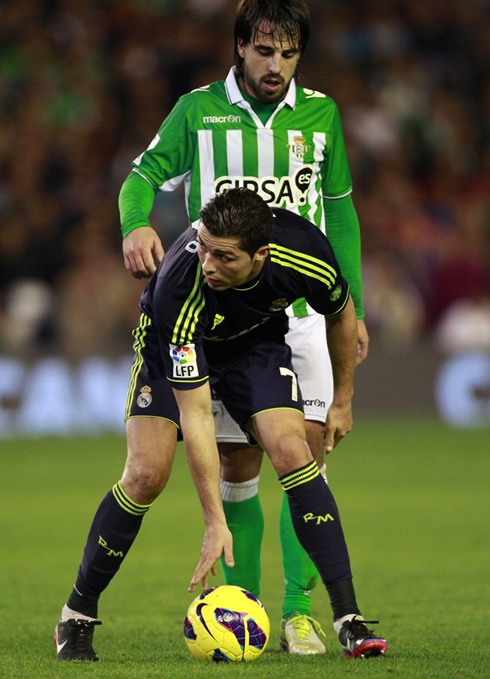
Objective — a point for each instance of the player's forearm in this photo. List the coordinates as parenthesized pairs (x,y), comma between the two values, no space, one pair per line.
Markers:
(136,200)
(343,232)
(206,479)
(342,346)
(198,429)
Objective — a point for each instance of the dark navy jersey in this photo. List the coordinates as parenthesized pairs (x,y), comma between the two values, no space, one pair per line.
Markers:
(197,325)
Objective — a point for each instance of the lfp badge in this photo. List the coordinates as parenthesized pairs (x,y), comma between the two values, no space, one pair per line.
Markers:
(184,360)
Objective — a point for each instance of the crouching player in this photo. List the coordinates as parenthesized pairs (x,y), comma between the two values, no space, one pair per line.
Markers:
(213,318)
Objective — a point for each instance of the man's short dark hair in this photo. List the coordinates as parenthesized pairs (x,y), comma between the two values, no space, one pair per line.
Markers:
(288,19)
(239,213)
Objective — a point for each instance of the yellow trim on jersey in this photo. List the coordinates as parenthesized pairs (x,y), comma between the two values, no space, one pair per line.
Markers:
(189,315)
(343,305)
(138,346)
(202,379)
(251,287)
(305,264)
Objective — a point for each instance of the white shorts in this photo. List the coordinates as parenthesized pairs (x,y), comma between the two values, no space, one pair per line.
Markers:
(308,341)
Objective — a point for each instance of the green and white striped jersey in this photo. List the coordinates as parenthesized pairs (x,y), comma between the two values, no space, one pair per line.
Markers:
(213,140)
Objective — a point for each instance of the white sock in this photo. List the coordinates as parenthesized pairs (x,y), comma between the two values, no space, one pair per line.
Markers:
(238,492)
(68,614)
(323,472)
(350,616)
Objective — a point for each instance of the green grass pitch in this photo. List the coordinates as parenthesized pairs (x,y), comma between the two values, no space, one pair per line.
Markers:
(414,497)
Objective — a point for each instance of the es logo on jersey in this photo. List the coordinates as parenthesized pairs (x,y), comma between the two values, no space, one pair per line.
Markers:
(336,293)
(184,360)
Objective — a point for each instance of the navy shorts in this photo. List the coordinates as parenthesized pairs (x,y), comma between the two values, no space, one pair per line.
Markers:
(150,394)
(262,378)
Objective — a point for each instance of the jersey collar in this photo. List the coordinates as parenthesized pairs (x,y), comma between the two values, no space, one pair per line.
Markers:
(236,97)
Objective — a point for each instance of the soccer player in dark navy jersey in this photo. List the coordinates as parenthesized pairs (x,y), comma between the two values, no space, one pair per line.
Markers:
(213,316)
(199,310)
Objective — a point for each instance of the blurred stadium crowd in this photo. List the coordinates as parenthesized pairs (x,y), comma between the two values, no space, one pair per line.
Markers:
(84,85)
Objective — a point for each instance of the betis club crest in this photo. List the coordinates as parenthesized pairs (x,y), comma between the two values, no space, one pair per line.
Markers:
(298,147)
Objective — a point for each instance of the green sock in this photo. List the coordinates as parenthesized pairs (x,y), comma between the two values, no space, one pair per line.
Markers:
(246,523)
(300,572)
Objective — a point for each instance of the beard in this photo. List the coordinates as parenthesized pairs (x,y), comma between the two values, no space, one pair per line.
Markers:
(267,89)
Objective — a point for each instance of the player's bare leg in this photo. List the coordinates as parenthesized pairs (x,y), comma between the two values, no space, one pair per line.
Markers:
(151,446)
(151,450)
(239,462)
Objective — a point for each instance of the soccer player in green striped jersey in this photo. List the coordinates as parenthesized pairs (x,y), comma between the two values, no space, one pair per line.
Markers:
(259,129)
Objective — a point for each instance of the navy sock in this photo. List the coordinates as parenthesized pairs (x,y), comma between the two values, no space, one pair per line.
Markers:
(316,521)
(114,528)
(342,598)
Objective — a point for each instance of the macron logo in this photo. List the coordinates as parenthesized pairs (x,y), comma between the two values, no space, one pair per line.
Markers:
(222,119)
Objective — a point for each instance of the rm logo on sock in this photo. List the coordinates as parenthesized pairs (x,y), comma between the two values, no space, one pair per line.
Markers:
(318,519)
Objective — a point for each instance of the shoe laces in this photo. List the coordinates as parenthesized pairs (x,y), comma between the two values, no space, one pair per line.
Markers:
(357,629)
(83,634)
(302,625)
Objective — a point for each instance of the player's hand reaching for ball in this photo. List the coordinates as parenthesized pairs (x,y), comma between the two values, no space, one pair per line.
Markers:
(143,251)
(217,541)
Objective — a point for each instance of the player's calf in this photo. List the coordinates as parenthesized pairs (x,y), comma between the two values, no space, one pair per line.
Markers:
(316,522)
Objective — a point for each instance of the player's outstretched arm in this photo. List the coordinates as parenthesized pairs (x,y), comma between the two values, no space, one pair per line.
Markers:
(198,429)
(342,345)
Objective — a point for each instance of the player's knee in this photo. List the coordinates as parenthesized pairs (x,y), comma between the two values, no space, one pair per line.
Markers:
(315,440)
(144,483)
(289,452)
(239,463)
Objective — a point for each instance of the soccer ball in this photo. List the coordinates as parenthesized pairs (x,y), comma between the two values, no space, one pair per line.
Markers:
(226,623)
